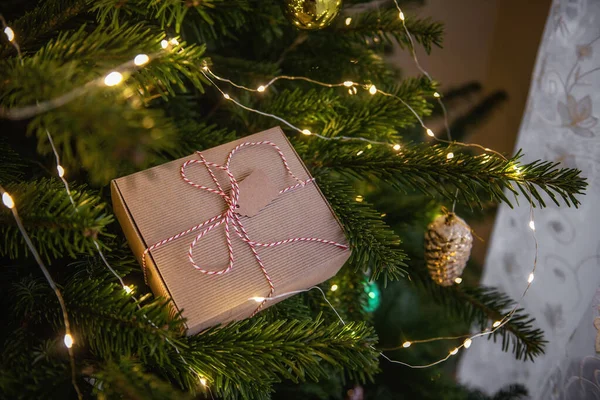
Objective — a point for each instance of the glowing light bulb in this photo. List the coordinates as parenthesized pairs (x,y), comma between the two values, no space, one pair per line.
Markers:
(164,44)
(348,83)
(467,343)
(261,88)
(517,169)
(334,287)
(203,381)
(530,278)
(359,199)
(373,89)
(205,68)
(348,21)
(496,324)
(61,171)
(10,34)
(141,59)
(430,132)
(174,42)
(68,340)
(401,15)
(396,147)
(257,299)
(450,155)
(454,351)
(532,225)
(406,344)
(487,149)
(458,280)
(436,95)
(359,152)
(7,200)
(127,289)
(226,96)
(306,132)
(112,79)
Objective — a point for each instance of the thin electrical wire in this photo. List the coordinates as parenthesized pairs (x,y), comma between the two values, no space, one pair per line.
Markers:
(52,284)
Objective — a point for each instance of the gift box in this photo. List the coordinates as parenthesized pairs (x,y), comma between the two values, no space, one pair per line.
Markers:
(220,229)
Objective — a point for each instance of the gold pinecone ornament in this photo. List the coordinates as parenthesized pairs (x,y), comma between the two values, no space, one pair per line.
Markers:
(311,14)
(448,243)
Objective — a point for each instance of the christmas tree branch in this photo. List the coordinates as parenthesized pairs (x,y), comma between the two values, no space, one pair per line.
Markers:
(386,26)
(55,227)
(375,247)
(428,169)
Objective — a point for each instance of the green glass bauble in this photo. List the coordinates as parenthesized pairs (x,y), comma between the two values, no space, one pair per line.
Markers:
(311,14)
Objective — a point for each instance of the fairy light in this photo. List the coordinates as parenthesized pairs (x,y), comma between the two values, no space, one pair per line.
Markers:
(373,89)
(174,42)
(306,132)
(458,280)
(164,44)
(496,324)
(530,278)
(436,95)
(430,132)
(348,83)
(360,152)
(8,200)
(68,340)
(203,381)
(467,343)
(334,287)
(127,289)
(450,155)
(113,78)
(532,225)
(454,351)
(258,299)
(401,16)
(396,147)
(348,21)
(141,59)
(261,88)
(10,34)
(406,344)
(359,199)
(60,170)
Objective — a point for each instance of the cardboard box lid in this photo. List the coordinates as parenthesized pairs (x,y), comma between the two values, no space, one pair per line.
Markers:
(159,204)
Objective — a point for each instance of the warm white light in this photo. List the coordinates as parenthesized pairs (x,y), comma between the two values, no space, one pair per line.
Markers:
(450,155)
(306,132)
(261,88)
(359,198)
(530,278)
(127,289)
(174,42)
(396,147)
(406,344)
(430,132)
(359,152)
(532,225)
(112,79)
(454,351)
(467,343)
(141,59)
(61,171)
(487,149)
(257,299)
(68,340)
(373,89)
(164,44)
(10,34)
(203,381)
(348,21)
(436,95)
(517,169)
(458,280)
(226,96)
(7,200)
(334,288)
(205,68)
(401,15)
(348,83)
(496,324)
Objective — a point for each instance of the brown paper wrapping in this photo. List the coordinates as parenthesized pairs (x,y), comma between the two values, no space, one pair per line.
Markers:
(155,204)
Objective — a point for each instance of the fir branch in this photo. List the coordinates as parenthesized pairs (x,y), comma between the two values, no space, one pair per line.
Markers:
(375,247)
(56,229)
(386,26)
(237,357)
(480,305)
(426,168)
(11,164)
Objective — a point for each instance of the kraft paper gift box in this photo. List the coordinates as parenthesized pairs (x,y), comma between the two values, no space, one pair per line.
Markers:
(157,204)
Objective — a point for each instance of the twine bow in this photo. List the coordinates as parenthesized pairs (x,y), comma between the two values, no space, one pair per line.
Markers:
(231,219)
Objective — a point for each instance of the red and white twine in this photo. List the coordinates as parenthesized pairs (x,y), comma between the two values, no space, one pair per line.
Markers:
(231,219)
